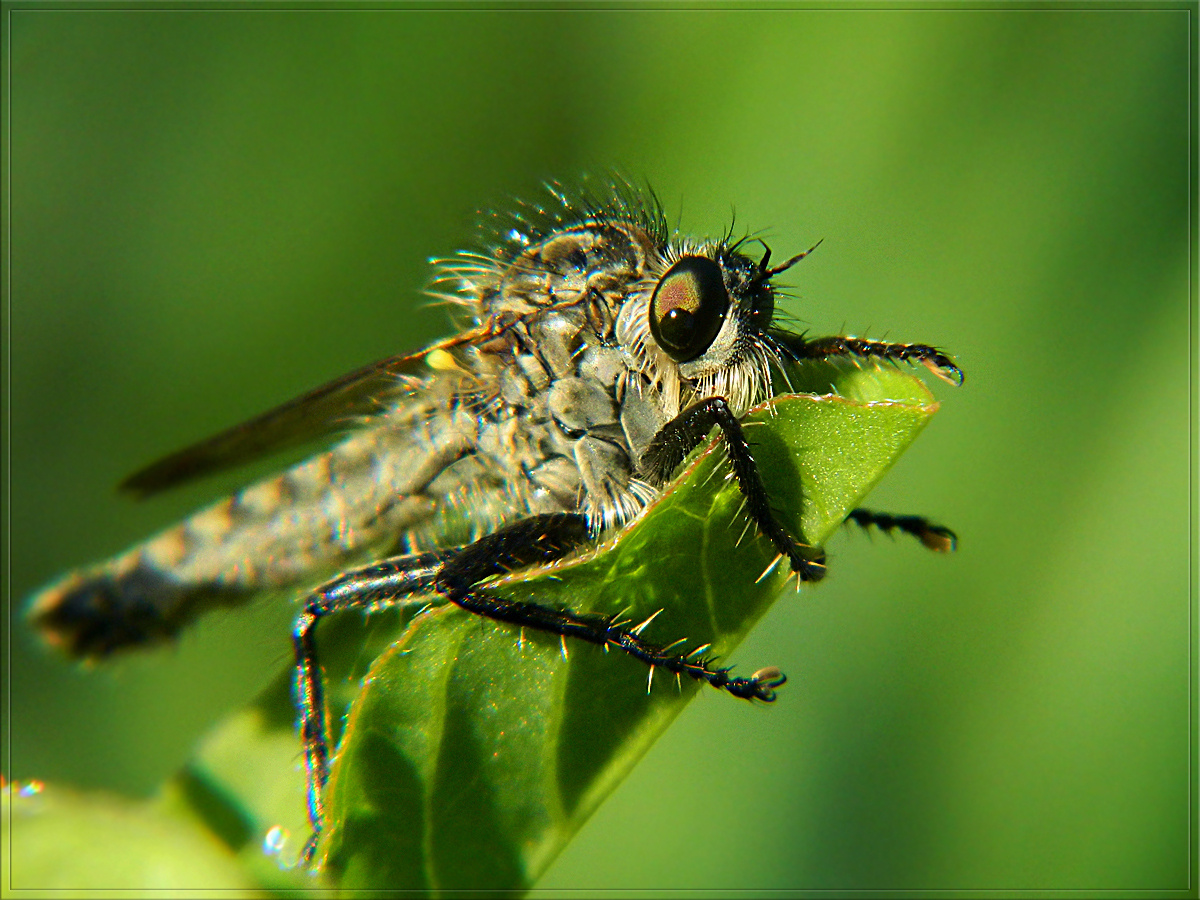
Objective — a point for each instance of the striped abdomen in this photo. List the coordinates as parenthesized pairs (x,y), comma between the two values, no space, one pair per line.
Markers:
(292,529)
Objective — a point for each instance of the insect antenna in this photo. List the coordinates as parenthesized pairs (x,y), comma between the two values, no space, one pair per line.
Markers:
(764,271)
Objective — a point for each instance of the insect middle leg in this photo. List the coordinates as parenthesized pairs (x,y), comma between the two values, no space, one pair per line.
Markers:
(935,537)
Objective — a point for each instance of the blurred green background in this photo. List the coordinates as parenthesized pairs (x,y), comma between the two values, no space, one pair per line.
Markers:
(212,211)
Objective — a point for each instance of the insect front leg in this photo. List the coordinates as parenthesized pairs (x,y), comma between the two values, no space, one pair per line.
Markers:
(685,432)
(932,358)
(387,584)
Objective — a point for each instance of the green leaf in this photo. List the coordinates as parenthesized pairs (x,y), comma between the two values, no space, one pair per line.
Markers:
(58,839)
(473,754)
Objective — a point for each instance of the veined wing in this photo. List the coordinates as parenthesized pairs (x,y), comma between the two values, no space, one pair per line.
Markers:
(332,407)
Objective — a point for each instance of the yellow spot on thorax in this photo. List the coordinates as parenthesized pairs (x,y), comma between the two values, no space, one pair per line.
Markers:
(442,361)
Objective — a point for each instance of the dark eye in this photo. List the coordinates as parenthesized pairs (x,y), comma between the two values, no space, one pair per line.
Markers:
(688,307)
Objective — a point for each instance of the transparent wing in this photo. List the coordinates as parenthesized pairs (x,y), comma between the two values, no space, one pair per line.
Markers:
(329,408)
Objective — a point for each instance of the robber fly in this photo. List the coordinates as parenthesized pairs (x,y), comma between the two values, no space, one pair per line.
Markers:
(598,349)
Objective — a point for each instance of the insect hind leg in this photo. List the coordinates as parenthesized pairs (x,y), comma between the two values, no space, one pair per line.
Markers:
(456,574)
(395,582)
(542,538)
(609,631)
(387,584)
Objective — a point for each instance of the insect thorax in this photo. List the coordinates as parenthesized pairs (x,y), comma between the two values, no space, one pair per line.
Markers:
(572,387)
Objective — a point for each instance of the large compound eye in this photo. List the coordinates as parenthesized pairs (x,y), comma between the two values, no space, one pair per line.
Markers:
(688,307)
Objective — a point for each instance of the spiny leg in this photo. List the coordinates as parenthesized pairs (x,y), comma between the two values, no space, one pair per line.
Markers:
(541,539)
(456,574)
(933,536)
(932,358)
(685,432)
(385,584)
(389,584)
(608,631)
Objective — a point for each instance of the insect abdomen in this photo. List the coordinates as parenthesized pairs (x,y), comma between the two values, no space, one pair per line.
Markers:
(284,531)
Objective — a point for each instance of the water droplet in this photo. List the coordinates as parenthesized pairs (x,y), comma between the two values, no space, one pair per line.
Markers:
(275,840)
(31,788)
